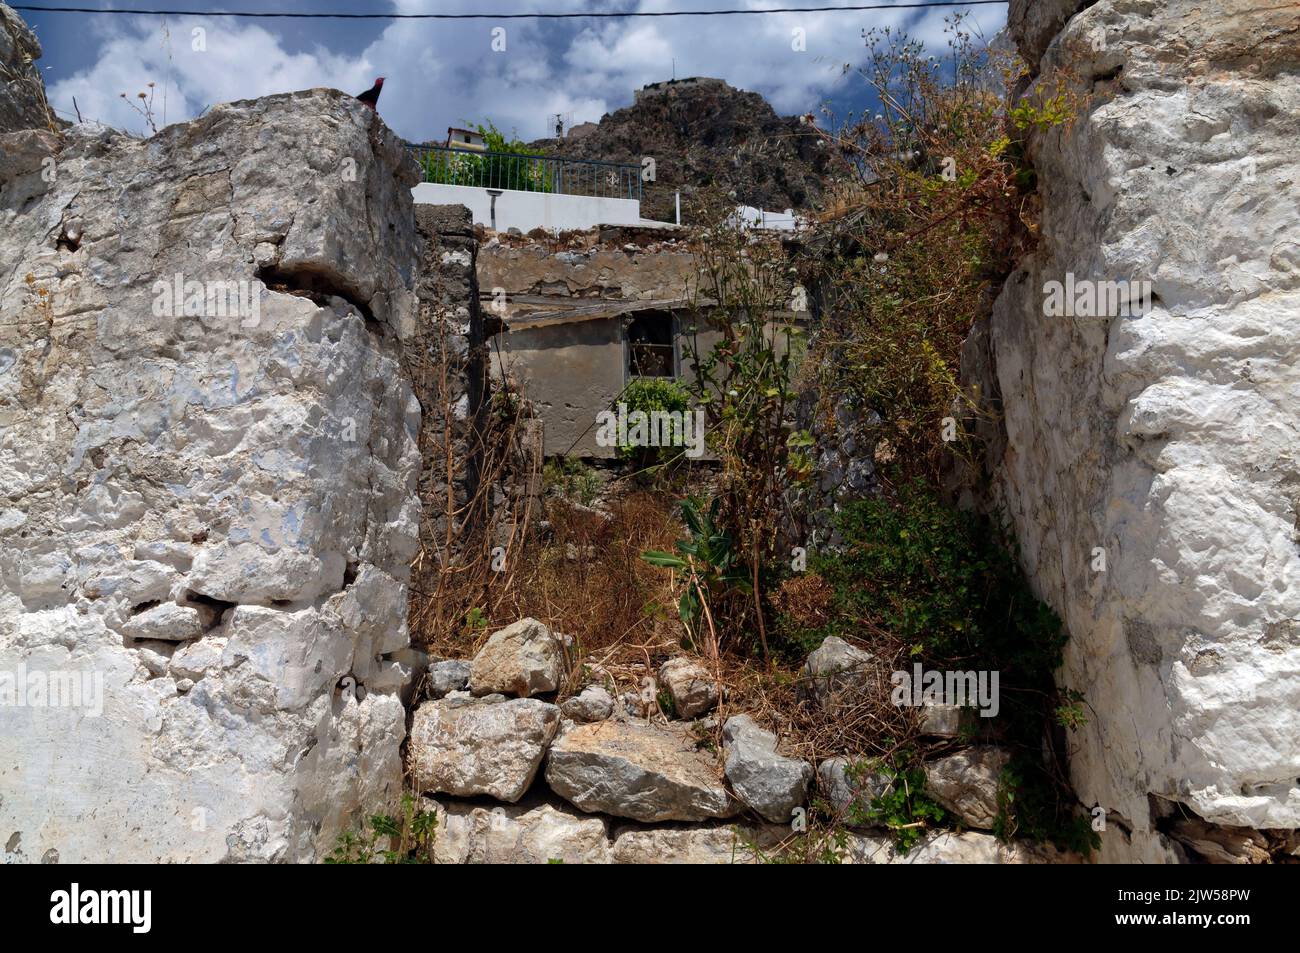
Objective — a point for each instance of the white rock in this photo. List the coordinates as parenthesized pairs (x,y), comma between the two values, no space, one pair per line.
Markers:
(593,703)
(195,660)
(477,746)
(834,670)
(967,782)
(446,676)
(768,783)
(637,771)
(165,622)
(522,659)
(849,787)
(694,691)
(517,834)
(682,845)
(1163,442)
(132,438)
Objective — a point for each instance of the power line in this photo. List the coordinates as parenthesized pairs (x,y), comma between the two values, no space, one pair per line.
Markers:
(627,14)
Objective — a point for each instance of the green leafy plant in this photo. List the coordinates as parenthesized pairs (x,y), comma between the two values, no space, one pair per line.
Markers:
(904,808)
(405,838)
(507,164)
(573,479)
(649,395)
(712,569)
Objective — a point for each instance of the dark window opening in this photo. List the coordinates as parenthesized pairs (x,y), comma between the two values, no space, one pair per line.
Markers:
(650,348)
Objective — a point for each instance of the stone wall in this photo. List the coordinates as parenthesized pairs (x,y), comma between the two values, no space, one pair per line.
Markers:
(209,497)
(1161,445)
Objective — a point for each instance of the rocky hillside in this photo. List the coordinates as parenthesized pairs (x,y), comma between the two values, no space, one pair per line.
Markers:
(704,133)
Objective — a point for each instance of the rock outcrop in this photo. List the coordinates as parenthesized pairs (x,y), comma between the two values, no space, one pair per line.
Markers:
(208,455)
(22,94)
(1150,467)
(705,134)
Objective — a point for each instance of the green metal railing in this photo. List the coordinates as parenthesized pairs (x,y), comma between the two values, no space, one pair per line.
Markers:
(527,173)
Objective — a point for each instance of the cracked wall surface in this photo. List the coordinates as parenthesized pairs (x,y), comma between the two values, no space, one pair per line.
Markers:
(1168,439)
(207,502)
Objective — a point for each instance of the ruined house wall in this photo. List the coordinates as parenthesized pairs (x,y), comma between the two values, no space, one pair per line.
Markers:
(207,510)
(447,364)
(1166,441)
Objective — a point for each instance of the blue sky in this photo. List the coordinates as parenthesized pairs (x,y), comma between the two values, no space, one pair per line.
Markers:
(441,73)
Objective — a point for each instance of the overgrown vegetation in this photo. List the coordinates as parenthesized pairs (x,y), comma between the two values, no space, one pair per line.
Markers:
(506,164)
(406,837)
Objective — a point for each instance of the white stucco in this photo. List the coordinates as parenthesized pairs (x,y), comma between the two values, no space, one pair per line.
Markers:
(528,210)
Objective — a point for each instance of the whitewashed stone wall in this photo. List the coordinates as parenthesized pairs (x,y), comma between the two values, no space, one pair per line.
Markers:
(1167,440)
(210,514)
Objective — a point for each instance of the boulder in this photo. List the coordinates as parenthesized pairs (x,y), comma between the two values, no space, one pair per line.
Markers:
(966,783)
(531,833)
(467,746)
(592,704)
(637,771)
(682,845)
(766,782)
(448,675)
(833,669)
(944,847)
(849,786)
(165,622)
(693,690)
(522,659)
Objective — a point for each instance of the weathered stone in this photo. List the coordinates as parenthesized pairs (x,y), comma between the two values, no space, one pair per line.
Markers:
(196,659)
(1157,439)
(849,787)
(593,703)
(476,746)
(966,783)
(833,669)
(522,659)
(166,622)
(942,721)
(22,94)
(682,845)
(637,771)
(446,676)
(766,782)
(945,847)
(694,691)
(137,432)
(530,833)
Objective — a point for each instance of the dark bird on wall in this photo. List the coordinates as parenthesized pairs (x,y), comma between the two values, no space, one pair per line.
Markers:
(371,96)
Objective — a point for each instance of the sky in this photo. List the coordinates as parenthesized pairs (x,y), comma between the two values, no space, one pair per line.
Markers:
(444,73)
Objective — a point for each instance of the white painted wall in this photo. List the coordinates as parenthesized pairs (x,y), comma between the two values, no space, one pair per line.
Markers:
(529,210)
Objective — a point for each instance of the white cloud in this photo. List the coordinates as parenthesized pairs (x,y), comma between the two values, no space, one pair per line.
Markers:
(441,73)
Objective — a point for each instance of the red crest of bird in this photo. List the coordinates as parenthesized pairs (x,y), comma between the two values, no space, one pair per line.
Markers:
(371,96)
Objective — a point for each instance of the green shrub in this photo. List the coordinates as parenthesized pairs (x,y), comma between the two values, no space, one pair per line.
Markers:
(649,394)
(946,581)
(405,838)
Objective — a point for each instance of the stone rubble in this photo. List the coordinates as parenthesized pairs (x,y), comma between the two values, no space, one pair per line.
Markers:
(693,690)
(469,746)
(766,782)
(967,782)
(637,771)
(522,659)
